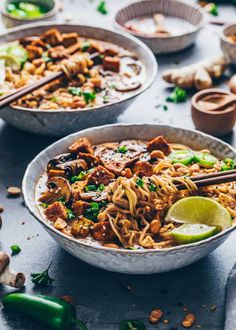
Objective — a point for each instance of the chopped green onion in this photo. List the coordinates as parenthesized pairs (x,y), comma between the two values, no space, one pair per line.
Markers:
(177,96)
(70,214)
(152,187)
(89,96)
(15,249)
(122,149)
(140,182)
(44,205)
(76,91)
(79,177)
(101,187)
(212,9)
(54,99)
(227,164)
(85,46)
(90,187)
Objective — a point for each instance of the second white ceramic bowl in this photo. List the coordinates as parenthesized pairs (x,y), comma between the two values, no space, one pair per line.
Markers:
(63,121)
(127,261)
(184,10)
(228,48)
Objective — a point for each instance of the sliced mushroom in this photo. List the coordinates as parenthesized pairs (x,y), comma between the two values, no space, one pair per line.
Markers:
(58,187)
(128,88)
(8,276)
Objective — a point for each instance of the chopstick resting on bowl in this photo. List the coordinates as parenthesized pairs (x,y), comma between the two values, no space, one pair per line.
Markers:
(11,97)
(211,179)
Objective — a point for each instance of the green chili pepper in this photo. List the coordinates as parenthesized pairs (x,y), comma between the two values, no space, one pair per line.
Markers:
(52,312)
(205,159)
(184,157)
(132,325)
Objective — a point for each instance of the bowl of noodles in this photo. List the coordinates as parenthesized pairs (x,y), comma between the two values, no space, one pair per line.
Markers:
(104,71)
(103,194)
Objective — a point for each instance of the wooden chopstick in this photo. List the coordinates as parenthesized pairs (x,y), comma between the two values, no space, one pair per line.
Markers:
(9,98)
(211,179)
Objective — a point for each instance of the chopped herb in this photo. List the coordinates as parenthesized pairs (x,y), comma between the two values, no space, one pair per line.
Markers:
(44,205)
(70,214)
(85,46)
(15,249)
(79,177)
(212,9)
(89,96)
(163,106)
(177,96)
(106,98)
(90,187)
(62,200)
(92,212)
(140,182)
(54,99)
(122,149)
(227,164)
(101,187)
(42,279)
(102,7)
(153,187)
(76,91)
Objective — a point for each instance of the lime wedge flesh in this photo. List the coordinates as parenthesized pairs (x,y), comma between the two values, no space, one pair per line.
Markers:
(199,210)
(11,61)
(190,233)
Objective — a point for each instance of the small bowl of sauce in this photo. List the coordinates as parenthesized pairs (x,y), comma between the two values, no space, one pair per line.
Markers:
(214,111)
(17,12)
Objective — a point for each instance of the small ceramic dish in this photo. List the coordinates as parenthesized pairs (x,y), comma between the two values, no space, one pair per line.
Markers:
(228,48)
(126,261)
(10,21)
(181,13)
(215,122)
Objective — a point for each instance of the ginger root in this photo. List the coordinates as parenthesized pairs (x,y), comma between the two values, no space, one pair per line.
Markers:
(198,75)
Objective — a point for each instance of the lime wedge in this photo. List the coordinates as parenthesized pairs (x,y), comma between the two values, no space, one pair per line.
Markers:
(199,210)
(189,233)
(11,61)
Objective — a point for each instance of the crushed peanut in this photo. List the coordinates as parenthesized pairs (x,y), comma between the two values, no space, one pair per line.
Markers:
(188,320)
(14,191)
(155,316)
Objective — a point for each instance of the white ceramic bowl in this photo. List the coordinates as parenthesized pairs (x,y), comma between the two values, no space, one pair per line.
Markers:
(10,21)
(61,121)
(127,261)
(228,48)
(189,12)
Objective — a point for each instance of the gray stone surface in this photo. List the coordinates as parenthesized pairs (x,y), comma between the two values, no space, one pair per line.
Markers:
(103,299)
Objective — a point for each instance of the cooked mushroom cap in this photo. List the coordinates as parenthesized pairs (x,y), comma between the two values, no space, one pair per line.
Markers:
(58,188)
(128,88)
(4,261)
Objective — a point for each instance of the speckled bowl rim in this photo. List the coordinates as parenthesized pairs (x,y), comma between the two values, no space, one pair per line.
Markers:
(122,251)
(48,14)
(149,79)
(223,35)
(214,113)
(193,30)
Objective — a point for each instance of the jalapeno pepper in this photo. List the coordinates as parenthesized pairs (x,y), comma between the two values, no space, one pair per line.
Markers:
(53,312)
(184,157)
(205,159)
(132,325)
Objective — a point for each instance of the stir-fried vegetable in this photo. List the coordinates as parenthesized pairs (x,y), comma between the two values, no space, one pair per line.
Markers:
(184,157)
(53,312)
(227,164)
(205,159)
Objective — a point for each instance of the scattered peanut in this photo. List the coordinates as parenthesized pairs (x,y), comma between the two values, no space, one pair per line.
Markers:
(188,320)
(1,208)
(213,308)
(155,316)
(14,191)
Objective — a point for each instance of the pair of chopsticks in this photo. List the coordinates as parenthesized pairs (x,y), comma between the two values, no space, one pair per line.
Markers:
(211,179)
(11,97)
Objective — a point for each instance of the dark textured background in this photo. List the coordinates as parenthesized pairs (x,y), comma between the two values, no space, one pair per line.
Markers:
(104,299)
